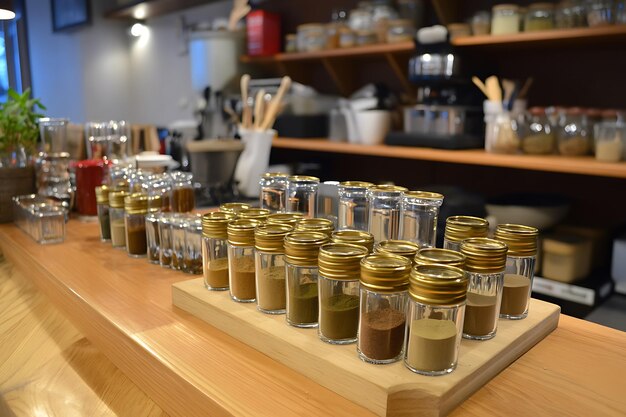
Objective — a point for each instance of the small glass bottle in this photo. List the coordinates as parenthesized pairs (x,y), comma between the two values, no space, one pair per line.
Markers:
(520,268)
(435,318)
(420,211)
(338,287)
(274,192)
(382,312)
(459,228)
(385,202)
(485,261)
(135,210)
(540,16)
(152,235)
(116,216)
(537,134)
(316,225)
(257,214)
(302,195)
(192,261)
(102,201)
(291,219)
(215,249)
(270,267)
(397,247)
(177,228)
(354,237)
(429,256)
(165,239)
(573,134)
(159,191)
(241,273)
(182,198)
(353,205)
(234,208)
(301,271)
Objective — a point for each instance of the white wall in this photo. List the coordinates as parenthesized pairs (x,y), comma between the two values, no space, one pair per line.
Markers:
(98,72)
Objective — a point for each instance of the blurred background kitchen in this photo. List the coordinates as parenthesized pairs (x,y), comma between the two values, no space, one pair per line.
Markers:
(512,111)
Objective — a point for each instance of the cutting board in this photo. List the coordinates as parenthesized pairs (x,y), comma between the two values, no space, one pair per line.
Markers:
(387,390)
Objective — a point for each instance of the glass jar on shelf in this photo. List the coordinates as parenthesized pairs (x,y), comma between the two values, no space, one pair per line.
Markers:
(241,268)
(537,134)
(385,204)
(311,37)
(135,210)
(102,201)
(600,13)
(353,206)
(573,134)
(182,198)
(274,192)
(501,129)
(270,267)
(420,211)
(571,14)
(192,260)
(505,19)
(338,284)
(116,216)
(159,190)
(459,228)
(540,16)
(400,30)
(610,141)
(354,237)
(302,194)
(215,250)
(481,23)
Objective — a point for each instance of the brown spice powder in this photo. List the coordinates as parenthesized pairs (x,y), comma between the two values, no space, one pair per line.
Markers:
(271,288)
(515,295)
(480,314)
(381,333)
(242,282)
(216,273)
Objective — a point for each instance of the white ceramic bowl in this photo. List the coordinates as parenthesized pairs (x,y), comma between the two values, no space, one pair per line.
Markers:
(373,126)
(528,210)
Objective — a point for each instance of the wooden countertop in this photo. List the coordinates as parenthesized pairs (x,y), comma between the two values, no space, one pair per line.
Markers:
(189,368)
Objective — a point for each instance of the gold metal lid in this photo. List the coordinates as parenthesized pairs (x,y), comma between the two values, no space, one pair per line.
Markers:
(102,194)
(483,255)
(254,213)
(398,247)
(304,178)
(155,203)
(387,188)
(459,228)
(354,237)
(438,284)
(383,272)
(241,232)
(275,175)
(136,203)
(356,185)
(290,218)
(423,195)
(316,224)
(271,237)
(521,240)
(116,198)
(121,185)
(341,261)
(429,256)
(302,248)
(214,224)
(234,207)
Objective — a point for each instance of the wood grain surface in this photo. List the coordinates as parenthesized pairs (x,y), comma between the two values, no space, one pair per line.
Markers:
(189,368)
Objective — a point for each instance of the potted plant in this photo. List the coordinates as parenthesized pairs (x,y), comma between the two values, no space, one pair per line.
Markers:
(18,140)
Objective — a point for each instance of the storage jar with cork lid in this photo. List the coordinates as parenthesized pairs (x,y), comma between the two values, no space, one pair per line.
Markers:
(116,216)
(302,194)
(270,267)
(484,264)
(429,256)
(234,208)
(353,208)
(397,247)
(316,225)
(459,228)
(338,284)
(354,237)
(274,191)
(136,208)
(301,273)
(420,211)
(290,218)
(215,249)
(382,312)
(435,318)
(520,268)
(102,204)
(241,273)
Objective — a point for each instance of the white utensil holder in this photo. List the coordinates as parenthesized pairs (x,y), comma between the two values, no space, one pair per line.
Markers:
(254,160)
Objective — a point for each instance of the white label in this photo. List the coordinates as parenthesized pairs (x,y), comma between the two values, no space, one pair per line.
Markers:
(564,291)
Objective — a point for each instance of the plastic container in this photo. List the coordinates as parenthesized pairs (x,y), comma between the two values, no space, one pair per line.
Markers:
(566,258)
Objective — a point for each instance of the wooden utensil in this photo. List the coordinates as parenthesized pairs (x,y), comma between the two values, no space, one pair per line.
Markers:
(274,106)
(239,11)
(259,107)
(481,86)
(246,114)
(509,87)
(493,89)
(524,90)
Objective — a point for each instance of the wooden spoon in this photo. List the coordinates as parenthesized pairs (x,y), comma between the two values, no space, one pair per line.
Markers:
(246,115)
(259,107)
(274,106)
(524,90)
(239,11)
(481,86)
(509,87)
(493,89)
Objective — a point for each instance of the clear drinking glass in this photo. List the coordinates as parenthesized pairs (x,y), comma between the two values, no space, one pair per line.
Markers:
(420,211)
(53,135)
(385,203)
(96,140)
(353,205)
(302,195)
(117,139)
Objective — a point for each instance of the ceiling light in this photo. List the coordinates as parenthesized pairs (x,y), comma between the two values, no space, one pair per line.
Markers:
(7,11)
(138,29)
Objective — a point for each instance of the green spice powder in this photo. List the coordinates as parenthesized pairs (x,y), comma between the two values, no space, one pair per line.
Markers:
(340,316)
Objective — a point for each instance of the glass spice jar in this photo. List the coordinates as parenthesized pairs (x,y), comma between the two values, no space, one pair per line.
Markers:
(102,201)
(402,248)
(165,239)
(301,272)
(274,192)
(520,268)
(420,211)
(505,19)
(353,205)
(540,16)
(354,237)
(382,312)
(316,225)
(291,219)
(159,191)
(234,208)
(116,216)
(254,214)
(177,227)
(241,273)
(338,291)
(436,312)
(215,249)
(537,133)
(385,203)
(182,198)
(192,260)
(573,134)
(270,267)
(152,235)
(429,256)
(302,195)
(135,210)
(138,181)
(485,261)
(459,228)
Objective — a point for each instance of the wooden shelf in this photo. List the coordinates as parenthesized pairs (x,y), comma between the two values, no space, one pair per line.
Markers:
(558,37)
(549,163)
(145,9)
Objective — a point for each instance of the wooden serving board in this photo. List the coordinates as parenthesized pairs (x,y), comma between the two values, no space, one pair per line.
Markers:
(387,390)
